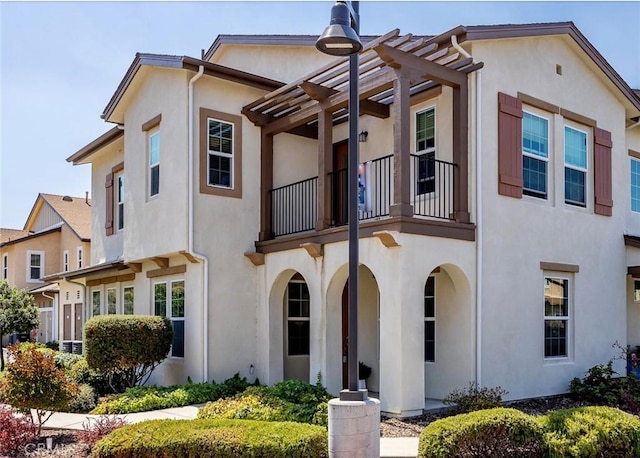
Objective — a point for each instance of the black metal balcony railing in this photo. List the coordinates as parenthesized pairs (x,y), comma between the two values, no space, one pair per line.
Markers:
(374,196)
(294,207)
(433,186)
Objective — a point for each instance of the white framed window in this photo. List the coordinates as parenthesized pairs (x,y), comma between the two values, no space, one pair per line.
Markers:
(430,320)
(5,266)
(154,163)
(575,166)
(298,321)
(556,317)
(220,153)
(79,260)
(119,199)
(127,300)
(35,266)
(635,185)
(535,155)
(172,294)
(96,300)
(65,261)
(112,301)
(426,151)
(636,290)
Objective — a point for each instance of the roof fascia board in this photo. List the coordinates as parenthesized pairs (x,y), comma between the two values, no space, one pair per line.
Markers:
(103,140)
(487,32)
(117,265)
(231,74)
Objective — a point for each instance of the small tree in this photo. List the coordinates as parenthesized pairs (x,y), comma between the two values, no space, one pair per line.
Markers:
(18,312)
(133,344)
(33,383)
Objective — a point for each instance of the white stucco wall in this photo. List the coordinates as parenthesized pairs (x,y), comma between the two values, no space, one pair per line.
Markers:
(520,233)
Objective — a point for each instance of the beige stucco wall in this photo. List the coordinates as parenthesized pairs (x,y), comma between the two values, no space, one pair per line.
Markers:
(520,233)
(272,61)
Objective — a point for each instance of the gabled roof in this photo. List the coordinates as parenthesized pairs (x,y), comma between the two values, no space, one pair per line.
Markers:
(74,211)
(487,32)
(33,235)
(7,235)
(185,63)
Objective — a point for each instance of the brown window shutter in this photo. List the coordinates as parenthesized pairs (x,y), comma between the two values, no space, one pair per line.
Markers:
(108,186)
(509,146)
(602,172)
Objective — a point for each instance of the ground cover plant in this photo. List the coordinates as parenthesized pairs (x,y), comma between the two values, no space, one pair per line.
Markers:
(144,398)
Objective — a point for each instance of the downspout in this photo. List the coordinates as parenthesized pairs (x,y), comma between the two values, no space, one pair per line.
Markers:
(479,226)
(199,256)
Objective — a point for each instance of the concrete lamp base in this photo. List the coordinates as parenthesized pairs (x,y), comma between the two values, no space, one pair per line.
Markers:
(354,428)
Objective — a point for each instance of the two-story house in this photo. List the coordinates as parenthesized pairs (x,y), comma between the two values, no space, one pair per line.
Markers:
(56,238)
(490,246)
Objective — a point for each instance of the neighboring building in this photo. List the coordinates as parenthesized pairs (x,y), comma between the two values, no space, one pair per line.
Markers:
(489,219)
(56,238)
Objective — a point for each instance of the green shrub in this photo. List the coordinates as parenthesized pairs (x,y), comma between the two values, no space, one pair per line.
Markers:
(495,433)
(144,398)
(65,360)
(133,344)
(84,401)
(214,439)
(52,344)
(475,398)
(596,386)
(587,432)
(291,400)
(99,381)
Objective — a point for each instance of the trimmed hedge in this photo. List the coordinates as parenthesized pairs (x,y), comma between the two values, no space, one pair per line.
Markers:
(497,433)
(134,344)
(214,439)
(587,432)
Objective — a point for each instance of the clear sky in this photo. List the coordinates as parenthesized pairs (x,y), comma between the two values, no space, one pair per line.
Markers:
(60,63)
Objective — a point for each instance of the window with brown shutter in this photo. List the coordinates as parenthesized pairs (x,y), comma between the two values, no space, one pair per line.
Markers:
(602,172)
(108,185)
(509,146)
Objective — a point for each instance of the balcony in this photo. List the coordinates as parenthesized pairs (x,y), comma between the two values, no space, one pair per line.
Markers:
(294,207)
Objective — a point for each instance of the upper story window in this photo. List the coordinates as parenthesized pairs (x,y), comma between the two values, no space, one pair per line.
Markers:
(5,266)
(154,163)
(79,260)
(535,155)
(65,261)
(35,265)
(635,185)
(426,149)
(575,170)
(120,201)
(220,153)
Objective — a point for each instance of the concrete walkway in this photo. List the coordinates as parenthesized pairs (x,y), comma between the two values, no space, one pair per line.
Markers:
(389,446)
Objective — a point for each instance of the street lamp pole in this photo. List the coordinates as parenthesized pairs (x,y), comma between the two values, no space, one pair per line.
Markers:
(341,38)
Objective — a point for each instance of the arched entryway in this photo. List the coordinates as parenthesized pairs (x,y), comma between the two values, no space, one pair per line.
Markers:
(448,338)
(368,328)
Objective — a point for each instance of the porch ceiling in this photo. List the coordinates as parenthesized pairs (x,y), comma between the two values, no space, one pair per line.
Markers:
(294,108)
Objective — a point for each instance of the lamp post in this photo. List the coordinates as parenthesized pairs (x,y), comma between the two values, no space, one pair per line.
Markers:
(341,38)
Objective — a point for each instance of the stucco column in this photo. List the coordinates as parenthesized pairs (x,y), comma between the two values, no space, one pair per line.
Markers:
(401,343)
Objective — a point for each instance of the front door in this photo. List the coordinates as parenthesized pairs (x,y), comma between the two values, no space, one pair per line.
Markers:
(68,322)
(339,183)
(77,331)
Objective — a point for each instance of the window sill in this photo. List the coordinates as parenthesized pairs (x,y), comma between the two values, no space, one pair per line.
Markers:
(558,361)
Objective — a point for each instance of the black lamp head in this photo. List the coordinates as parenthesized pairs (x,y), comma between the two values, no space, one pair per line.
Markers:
(339,38)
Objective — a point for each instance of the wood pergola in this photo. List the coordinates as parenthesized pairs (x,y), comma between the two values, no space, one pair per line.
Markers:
(395,72)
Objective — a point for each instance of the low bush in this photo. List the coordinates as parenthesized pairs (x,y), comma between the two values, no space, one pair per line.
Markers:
(475,398)
(214,439)
(496,433)
(85,401)
(65,360)
(291,400)
(586,432)
(96,429)
(81,373)
(601,386)
(144,398)
(16,431)
(52,344)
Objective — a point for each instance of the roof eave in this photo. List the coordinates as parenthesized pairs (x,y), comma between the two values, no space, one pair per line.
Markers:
(104,267)
(80,156)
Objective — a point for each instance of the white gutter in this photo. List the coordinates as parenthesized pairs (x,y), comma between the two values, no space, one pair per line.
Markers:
(201,257)
(479,240)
